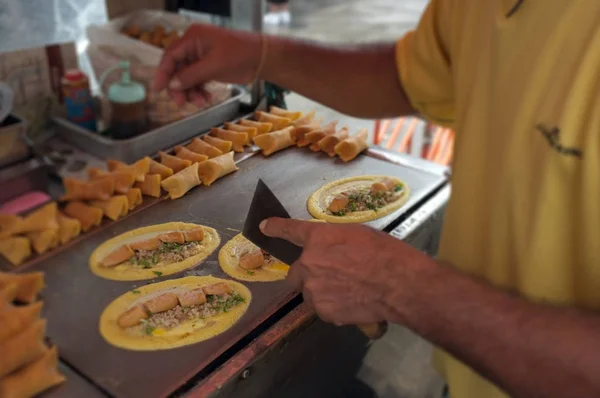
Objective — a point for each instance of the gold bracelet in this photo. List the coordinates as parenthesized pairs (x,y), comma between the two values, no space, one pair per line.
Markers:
(264,46)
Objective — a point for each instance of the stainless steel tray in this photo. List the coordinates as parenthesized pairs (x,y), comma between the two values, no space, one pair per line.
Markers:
(132,149)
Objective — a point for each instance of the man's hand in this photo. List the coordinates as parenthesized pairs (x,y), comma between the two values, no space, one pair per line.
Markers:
(350,273)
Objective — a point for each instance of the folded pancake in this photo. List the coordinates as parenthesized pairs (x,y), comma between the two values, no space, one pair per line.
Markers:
(29,285)
(160,169)
(40,219)
(212,169)
(285,113)
(10,224)
(328,143)
(42,241)
(278,122)
(68,228)
(16,249)
(204,148)
(305,119)
(139,168)
(113,208)
(23,348)
(123,180)
(261,127)
(299,133)
(151,185)
(173,162)
(34,378)
(134,198)
(16,319)
(317,135)
(237,139)
(275,140)
(140,254)
(99,189)
(178,184)
(8,295)
(223,145)
(128,323)
(184,153)
(351,147)
(251,131)
(88,216)
(243,260)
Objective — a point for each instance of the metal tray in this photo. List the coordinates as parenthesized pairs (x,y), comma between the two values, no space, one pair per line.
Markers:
(21,178)
(75,298)
(132,149)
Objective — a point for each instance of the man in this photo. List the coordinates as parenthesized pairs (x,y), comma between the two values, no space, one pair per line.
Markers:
(513,299)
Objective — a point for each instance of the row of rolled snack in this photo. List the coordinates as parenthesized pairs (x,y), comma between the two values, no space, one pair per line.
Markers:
(27,365)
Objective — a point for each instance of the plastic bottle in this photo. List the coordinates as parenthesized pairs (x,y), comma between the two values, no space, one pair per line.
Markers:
(78,99)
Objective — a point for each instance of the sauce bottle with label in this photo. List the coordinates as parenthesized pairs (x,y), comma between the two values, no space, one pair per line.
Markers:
(78,99)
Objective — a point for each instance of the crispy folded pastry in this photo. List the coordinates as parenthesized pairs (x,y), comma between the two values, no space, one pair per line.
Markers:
(122,179)
(23,348)
(191,297)
(8,295)
(204,148)
(139,168)
(161,303)
(118,256)
(88,216)
(217,289)
(299,133)
(133,316)
(151,185)
(212,169)
(278,122)
(134,198)
(251,131)
(29,285)
(194,235)
(34,378)
(113,208)
(99,189)
(275,140)
(172,237)
(285,113)
(184,153)
(42,241)
(261,127)
(223,145)
(237,139)
(40,219)
(160,169)
(10,225)
(173,162)
(304,120)
(178,184)
(16,319)
(148,244)
(16,249)
(68,228)
(349,148)
(328,143)
(317,135)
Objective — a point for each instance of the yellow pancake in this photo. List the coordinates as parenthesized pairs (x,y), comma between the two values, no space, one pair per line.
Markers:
(229,261)
(187,333)
(320,199)
(126,272)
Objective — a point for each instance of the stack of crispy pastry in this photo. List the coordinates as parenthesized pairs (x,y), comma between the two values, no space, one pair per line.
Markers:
(27,366)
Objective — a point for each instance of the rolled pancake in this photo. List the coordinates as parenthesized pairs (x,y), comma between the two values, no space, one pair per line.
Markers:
(134,198)
(299,133)
(42,241)
(16,249)
(178,184)
(113,208)
(315,136)
(23,348)
(237,139)
(261,127)
(123,180)
(40,219)
(127,272)
(100,189)
(8,295)
(10,224)
(328,143)
(251,131)
(278,122)
(160,169)
(88,216)
(212,169)
(229,260)
(204,148)
(151,185)
(187,333)
(139,168)
(184,153)
(173,162)
(29,285)
(351,147)
(34,378)
(285,113)
(223,145)
(17,319)
(68,228)
(275,141)
(305,119)
(319,201)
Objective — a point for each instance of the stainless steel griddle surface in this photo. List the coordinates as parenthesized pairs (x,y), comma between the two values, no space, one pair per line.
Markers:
(75,298)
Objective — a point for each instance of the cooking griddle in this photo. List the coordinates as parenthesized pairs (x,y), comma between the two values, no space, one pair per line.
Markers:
(75,298)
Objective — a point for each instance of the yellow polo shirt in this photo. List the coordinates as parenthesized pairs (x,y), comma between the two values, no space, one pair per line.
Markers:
(520,85)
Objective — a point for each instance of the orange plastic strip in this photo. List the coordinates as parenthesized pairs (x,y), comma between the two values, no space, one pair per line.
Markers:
(396,132)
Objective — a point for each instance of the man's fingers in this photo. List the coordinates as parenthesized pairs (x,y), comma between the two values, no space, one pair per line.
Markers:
(190,76)
(175,57)
(295,276)
(295,231)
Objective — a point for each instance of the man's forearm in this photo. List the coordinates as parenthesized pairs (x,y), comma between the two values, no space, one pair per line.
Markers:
(358,81)
(529,350)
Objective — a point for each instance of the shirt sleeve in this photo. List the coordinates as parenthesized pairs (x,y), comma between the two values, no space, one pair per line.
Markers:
(423,59)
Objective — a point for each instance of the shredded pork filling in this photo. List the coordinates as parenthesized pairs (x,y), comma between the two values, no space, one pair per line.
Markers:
(167,253)
(363,199)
